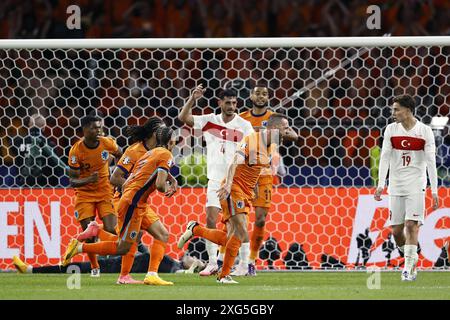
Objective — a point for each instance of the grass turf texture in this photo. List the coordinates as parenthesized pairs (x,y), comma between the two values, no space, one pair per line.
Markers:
(266,286)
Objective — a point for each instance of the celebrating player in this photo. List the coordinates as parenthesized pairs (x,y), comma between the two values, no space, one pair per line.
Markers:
(236,192)
(151,172)
(408,150)
(222,133)
(89,176)
(258,117)
(144,139)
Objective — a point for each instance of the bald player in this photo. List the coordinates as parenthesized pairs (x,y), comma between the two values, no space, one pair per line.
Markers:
(259,116)
(236,192)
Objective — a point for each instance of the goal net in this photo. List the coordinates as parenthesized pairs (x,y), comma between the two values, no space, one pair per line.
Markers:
(337,94)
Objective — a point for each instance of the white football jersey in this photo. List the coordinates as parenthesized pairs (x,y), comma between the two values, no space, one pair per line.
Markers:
(407,155)
(222,140)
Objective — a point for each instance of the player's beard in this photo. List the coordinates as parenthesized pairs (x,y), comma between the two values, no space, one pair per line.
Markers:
(260,106)
(229,112)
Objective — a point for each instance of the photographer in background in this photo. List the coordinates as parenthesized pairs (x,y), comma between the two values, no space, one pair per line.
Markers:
(38,164)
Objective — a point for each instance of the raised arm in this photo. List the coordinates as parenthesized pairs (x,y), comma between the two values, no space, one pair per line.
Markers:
(185,115)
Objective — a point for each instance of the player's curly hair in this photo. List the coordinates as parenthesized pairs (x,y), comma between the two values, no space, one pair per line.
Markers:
(86,121)
(163,136)
(144,132)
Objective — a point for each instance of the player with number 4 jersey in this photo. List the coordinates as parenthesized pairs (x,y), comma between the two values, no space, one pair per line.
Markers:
(222,133)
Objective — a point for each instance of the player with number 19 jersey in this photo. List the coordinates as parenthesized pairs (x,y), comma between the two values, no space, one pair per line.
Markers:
(407,155)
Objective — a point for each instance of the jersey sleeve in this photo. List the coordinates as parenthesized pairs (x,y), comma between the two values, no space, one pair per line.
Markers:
(430,157)
(126,162)
(74,158)
(200,121)
(384,158)
(166,161)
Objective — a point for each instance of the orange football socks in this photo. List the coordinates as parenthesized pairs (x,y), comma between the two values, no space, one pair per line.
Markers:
(256,241)
(106,236)
(128,259)
(231,251)
(156,255)
(214,235)
(101,248)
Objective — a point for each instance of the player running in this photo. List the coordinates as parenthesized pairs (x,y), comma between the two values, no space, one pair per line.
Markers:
(408,150)
(258,116)
(151,172)
(89,176)
(144,139)
(236,192)
(222,133)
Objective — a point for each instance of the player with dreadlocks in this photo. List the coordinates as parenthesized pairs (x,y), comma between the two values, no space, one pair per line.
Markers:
(150,172)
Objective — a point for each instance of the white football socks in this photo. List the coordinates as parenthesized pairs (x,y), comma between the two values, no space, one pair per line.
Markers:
(211,248)
(244,254)
(410,256)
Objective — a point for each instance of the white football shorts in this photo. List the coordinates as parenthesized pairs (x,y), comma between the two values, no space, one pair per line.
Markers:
(410,207)
(212,200)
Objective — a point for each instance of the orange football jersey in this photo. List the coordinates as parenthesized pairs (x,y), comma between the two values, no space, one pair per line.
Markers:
(129,159)
(257,157)
(258,121)
(141,183)
(89,160)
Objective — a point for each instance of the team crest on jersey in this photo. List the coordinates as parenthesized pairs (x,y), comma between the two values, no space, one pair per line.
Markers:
(264,123)
(73,160)
(240,204)
(126,160)
(133,235)
(105,155)
(76,214)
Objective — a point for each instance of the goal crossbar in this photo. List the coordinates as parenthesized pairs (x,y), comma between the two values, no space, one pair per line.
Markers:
(223,42)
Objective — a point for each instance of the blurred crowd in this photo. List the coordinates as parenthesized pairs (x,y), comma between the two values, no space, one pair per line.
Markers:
(221,18)
(339,120)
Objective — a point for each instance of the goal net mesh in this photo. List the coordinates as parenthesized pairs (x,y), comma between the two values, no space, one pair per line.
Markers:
(323,214)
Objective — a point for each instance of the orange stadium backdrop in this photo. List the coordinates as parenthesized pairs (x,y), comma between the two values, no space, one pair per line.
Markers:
(38,224)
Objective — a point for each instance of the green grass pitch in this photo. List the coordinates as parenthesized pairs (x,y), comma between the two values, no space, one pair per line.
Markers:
(265,286)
